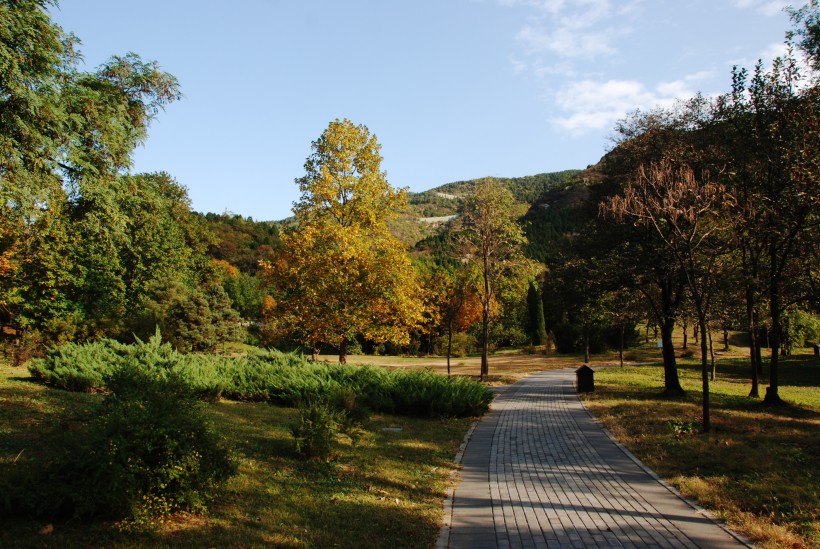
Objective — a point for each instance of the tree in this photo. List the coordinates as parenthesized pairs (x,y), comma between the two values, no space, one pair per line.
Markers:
(340,273)
(536,325)
(66,137)
(634,255)
(459,304)
(489,239)
(772,130)
(807,28)
(686,212)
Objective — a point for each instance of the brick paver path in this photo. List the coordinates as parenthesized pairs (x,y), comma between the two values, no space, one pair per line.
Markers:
(538,471)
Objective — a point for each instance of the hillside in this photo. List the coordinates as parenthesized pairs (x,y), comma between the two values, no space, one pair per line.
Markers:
(243,241)
(429,210)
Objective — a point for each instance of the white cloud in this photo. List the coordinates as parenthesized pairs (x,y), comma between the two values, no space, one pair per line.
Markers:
(769,8)
(596,105)
(565,42)
(570,28)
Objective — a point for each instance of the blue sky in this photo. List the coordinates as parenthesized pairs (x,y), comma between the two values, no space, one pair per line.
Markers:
(453,89)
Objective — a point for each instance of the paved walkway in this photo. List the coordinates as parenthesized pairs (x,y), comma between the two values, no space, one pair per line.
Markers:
(538,471)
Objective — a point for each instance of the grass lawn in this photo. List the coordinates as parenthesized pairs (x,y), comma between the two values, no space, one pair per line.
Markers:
(757,469)
(384,490)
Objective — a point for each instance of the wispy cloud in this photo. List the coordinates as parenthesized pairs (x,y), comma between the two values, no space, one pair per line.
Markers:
(572,47)
(570,29)
(766,7)
(591,105)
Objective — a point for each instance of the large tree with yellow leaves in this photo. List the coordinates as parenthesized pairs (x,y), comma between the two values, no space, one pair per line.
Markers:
(341,274)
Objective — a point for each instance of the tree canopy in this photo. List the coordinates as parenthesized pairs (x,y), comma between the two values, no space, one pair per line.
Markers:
(340,273)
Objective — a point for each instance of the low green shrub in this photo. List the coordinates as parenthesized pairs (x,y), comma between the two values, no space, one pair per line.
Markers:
(281,378)
(315,429)
(147,451)
(425,393)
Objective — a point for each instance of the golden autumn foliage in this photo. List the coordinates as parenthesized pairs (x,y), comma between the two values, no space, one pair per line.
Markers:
(340,273)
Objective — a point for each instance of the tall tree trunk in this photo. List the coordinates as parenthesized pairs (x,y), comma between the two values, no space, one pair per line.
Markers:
(725,338)
(485,345)
(449,345)
(485,320)
(685,334)
(704,372)
(586,344)
(671,381)
(772,396)
(712,354)
(751,319)
(621,347)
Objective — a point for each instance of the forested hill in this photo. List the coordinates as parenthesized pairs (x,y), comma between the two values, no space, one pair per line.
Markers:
(244,241)
(428,210)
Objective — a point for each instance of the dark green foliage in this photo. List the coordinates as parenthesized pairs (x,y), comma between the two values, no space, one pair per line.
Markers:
(536,326)
(569,337)
(146,452)
(78,367)
(241,241)
(191,319)
(321,418)
(525,189)
(246,294)
(281,378)
(425,393)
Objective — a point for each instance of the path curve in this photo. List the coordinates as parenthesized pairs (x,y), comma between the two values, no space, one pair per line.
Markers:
(539,471)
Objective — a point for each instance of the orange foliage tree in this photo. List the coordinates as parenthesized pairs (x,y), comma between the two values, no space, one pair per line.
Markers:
(340,274)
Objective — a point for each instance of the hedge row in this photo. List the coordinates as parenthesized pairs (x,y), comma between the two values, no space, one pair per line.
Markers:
(281,378)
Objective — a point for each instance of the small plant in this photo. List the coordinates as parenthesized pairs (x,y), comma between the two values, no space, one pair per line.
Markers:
(680,428)
(315,429)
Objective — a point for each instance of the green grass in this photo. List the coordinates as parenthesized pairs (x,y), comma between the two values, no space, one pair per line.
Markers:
(757,468)
(386,489)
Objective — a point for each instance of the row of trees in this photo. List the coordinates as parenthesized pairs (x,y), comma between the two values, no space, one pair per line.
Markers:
(87,249)
(340,275)
(708,204)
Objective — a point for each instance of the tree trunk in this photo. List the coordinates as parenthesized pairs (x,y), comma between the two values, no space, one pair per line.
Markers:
(671,382)
(586,344)
(704,372)
(485,346)
(685,334)
(772,396)
(485,322)
(343,351)
(725,338)
(712,354)
(621,348)
(449,345)
(753,344)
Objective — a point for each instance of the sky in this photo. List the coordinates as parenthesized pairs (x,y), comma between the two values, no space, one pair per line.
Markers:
(452,89)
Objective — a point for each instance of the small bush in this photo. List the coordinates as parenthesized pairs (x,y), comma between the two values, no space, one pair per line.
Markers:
(462,345)
(147,452)
(315,429)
